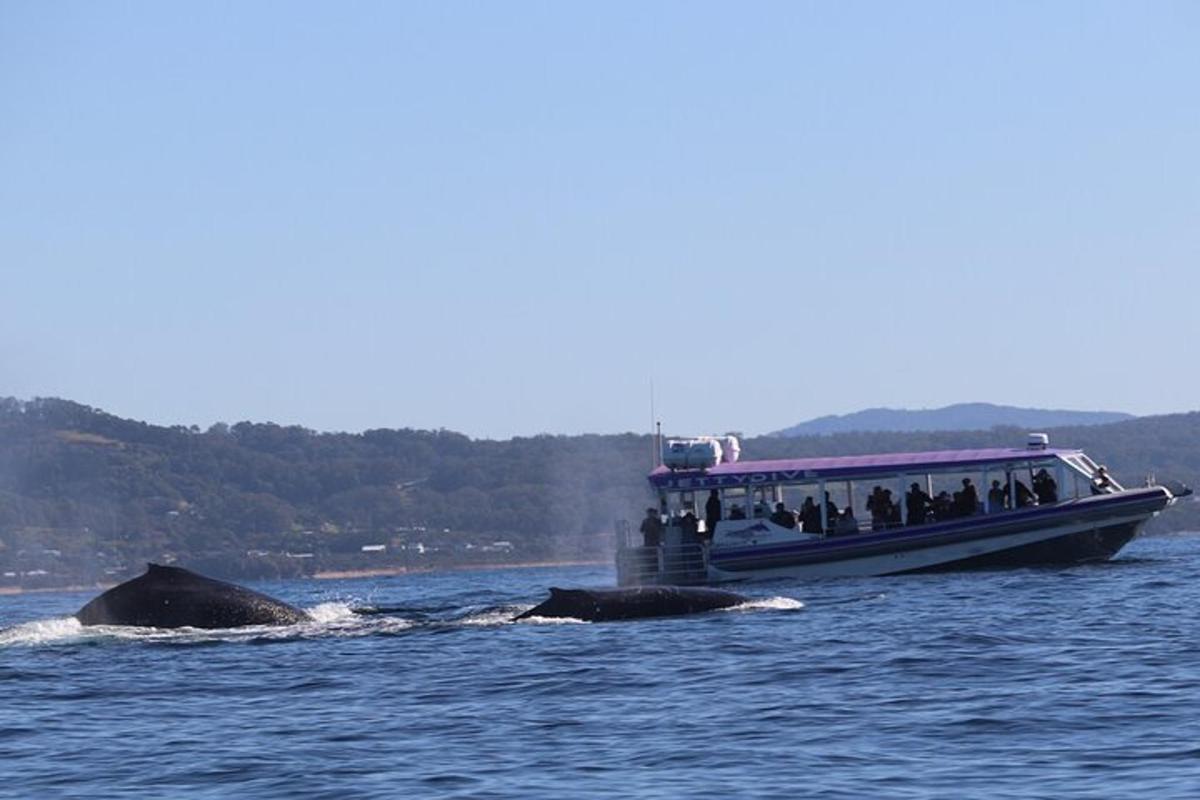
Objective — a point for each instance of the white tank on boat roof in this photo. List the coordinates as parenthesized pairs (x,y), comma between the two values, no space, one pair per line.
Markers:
(699,452)
(1038,441)
(731,449)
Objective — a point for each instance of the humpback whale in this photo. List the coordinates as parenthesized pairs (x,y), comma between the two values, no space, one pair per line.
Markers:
(173,597)
(602,605)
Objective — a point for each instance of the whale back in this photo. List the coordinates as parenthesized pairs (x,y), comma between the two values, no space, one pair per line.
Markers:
(602,605)
(173,597)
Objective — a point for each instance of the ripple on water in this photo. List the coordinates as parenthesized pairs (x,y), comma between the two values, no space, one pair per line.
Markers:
(1079,683)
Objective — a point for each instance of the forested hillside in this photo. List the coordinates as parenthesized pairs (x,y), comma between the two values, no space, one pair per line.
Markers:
(88,496)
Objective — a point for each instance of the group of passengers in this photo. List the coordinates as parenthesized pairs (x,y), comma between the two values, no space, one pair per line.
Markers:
(808,517)
(885,512)
(922,508)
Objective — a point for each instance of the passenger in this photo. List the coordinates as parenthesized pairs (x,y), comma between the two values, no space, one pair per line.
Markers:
(943,506)
(712,512)
(997,497)
(1101,483)
(810,516)
(736,512)
(689,527)
(783,517)
(846,522)
(831,512)
(652,529)
(1045,488)
(916,503)
(893,510)
(1024,496)
(968,499)
(877,505)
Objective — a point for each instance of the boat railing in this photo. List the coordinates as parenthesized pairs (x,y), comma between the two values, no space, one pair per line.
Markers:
(674,564)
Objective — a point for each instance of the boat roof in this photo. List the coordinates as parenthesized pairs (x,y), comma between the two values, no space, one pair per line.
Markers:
(799,470)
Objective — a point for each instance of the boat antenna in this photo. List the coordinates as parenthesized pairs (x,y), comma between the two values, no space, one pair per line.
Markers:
(653,434)
(657,444)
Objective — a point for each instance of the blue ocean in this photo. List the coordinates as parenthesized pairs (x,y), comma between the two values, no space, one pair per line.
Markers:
(1038,683)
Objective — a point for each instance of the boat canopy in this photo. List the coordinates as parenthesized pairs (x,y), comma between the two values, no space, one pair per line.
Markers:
(804,470)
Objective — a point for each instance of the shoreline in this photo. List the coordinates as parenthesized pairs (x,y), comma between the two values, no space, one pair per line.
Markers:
(389,572)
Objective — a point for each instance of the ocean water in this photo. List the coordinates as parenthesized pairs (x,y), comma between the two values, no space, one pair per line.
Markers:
(1054,683)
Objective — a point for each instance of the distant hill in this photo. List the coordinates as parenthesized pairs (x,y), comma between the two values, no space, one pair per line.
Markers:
(957,417)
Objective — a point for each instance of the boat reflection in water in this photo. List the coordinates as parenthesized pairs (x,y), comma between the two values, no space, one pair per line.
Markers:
(720,519)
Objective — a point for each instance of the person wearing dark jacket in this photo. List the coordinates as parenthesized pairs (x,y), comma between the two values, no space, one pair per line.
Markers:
(712,513)
(997,498)
(783,517)
(810,516)
(916,502)
(1045,487)
(831,513)
(968,499)
(652,529)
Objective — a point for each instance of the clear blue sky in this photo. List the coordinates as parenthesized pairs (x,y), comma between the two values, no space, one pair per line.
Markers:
(510,218)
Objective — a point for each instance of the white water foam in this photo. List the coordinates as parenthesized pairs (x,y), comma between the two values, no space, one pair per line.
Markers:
(769,604)
(328,619)
(332,612)
(495,616)
(42,631)
(554,620)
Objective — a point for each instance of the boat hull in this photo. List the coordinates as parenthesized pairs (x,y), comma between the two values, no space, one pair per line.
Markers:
(1090,529)
(1081,547)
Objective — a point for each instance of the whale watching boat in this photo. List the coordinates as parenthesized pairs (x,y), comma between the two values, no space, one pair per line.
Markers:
(720,519)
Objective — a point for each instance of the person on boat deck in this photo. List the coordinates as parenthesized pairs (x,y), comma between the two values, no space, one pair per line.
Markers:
(689,527)
(831,512)
(736,512)
(917,503)
(810,516)
(997,497)
(943,506)
(1102,484)
(781,516)
(652,529)
(968,499)
(877,504)
(712,512)
(1024,496)
(846,522)
(1045,487)
(893,509)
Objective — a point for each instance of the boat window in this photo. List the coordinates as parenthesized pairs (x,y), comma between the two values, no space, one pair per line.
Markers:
(762,501)
(843,515)
(733,503)
(879,503)
(952,495)
(794,498)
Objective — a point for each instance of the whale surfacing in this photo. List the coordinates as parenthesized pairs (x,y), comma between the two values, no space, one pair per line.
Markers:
(173,597)
(602,605)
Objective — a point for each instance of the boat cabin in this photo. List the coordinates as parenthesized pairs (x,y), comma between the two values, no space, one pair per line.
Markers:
(757,516)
